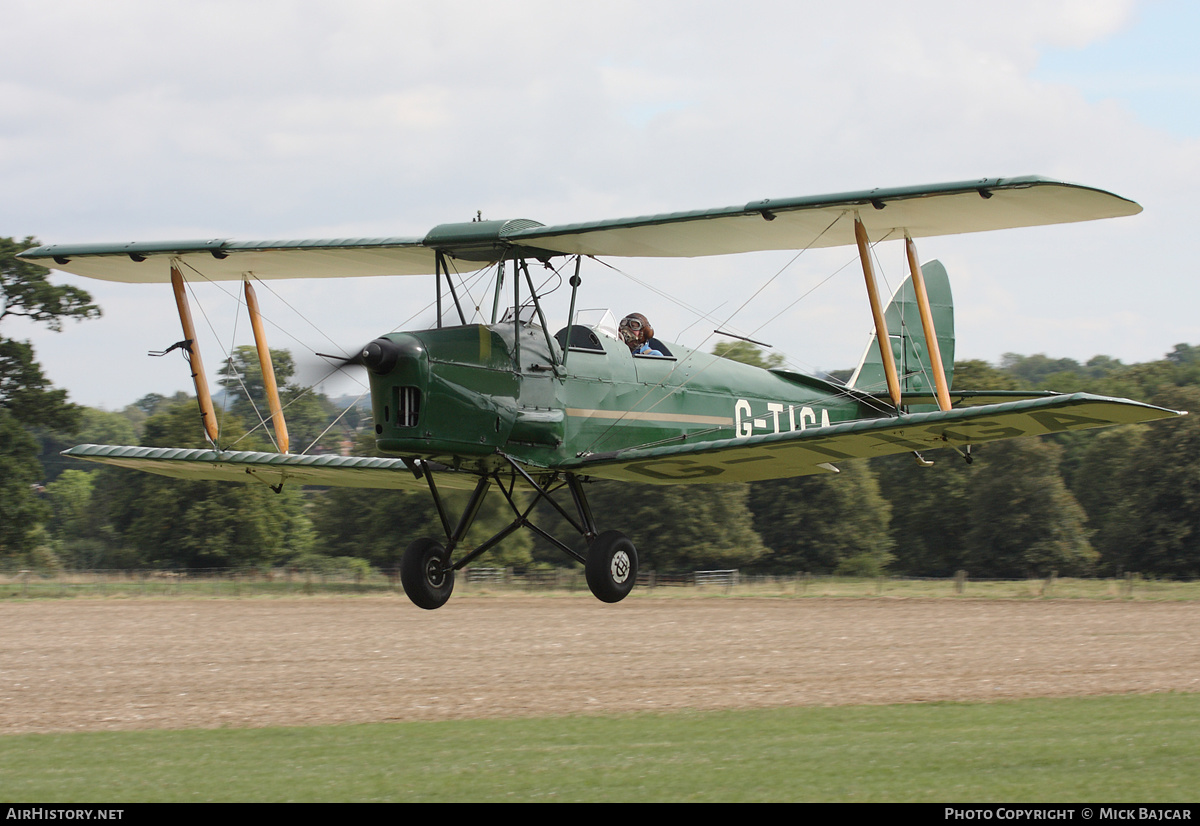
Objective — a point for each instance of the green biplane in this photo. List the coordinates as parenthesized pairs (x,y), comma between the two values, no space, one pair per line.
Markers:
(512,405)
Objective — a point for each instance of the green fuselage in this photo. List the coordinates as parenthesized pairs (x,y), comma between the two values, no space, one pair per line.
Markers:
(458,395)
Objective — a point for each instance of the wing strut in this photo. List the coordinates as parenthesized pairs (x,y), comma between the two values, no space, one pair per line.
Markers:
(931,340)
(208,416)
(881,333)
(268,368)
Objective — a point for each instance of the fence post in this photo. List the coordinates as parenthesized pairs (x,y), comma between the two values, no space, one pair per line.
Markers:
(960,581)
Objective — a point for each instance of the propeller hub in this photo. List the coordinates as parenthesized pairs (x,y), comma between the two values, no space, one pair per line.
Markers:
(380,356)
(383,354)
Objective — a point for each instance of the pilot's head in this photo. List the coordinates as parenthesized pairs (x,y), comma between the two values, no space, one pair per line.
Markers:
(635,330)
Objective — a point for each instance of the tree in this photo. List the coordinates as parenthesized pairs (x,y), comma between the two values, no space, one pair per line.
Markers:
(92,427)
(1039,370)
(198,524)
(1105,485)
(931,511)
(680,527)
(1143,491)
(979,375)
(1024,521)
(26,392)
(26,292)
(832,523)
(377,525)
(26,398)
(21,509)
(747,353)
(307,414)
(85,538)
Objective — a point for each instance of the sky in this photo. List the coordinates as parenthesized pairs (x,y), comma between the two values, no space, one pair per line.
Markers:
(136,120)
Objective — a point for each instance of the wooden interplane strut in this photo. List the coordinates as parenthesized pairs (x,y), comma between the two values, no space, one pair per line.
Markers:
(881,333)
(268,369)
(931,340)
(208,415)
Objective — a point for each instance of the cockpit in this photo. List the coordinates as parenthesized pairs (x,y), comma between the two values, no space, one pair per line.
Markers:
(590,325)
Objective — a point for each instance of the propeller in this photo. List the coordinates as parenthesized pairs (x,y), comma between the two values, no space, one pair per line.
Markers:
(378,356)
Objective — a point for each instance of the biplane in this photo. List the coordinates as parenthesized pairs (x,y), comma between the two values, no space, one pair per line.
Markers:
(513,404)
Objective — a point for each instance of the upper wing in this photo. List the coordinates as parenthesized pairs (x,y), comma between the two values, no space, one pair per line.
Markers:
(223,260)
(803,452)
(271,468)
(818,221)
(788,223)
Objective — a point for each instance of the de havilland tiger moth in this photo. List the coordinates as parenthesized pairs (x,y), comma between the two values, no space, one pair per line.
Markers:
(514,405)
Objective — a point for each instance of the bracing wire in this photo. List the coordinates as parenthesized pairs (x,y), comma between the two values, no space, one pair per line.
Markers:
(466,281)
(603,434)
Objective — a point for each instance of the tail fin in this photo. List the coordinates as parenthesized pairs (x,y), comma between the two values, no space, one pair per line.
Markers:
(908,338)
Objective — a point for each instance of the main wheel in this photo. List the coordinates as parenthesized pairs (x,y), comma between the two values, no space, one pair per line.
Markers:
(426,580)
(611,566)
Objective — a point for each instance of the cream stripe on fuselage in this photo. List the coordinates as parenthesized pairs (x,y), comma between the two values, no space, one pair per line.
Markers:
(650,416)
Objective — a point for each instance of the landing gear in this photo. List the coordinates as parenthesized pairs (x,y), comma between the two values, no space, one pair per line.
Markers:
(424,570)
(611,566)
(427,567)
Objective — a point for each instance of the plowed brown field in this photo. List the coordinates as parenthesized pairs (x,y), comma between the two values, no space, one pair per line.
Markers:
(83,664)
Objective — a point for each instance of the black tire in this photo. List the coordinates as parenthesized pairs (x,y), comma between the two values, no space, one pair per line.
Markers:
(611,567)
(422,574)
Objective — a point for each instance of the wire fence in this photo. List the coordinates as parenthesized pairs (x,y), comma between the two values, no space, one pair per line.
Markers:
(253,582)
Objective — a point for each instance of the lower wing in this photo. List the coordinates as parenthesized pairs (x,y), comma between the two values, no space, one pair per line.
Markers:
(754,458)
(815,450)
(271,468)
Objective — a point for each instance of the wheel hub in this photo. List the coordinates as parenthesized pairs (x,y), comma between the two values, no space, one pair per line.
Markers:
(619,567)
(434,572)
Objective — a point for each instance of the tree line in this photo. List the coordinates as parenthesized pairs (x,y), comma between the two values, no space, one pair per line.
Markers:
(1106,502)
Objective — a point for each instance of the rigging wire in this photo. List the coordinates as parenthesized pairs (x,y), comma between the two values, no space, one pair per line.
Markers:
(228,354)
(722,325)
(467,281)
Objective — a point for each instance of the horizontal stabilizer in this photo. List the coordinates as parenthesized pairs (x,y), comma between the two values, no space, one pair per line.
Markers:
(969,398)
(804,452)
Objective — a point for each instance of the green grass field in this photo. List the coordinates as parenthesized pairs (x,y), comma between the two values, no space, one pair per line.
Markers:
(1105,749)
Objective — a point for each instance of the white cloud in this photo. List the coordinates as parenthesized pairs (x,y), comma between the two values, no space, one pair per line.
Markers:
(147,120)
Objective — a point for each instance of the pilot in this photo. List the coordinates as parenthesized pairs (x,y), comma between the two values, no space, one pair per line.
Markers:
(636,331)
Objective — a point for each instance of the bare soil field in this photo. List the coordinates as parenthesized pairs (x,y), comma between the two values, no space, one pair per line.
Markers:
(107,664)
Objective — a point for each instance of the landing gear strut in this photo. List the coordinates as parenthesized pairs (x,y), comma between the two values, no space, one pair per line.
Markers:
(427,567)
